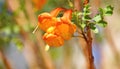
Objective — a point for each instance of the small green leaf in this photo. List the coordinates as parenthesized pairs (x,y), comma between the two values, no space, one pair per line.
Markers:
(108,10)
(83,25)
(102,23)
(109,13)
(101,11)
(86,10)
(93,27)
(95,30)
(85,18)
(97,18)
(86,13)
(87,7)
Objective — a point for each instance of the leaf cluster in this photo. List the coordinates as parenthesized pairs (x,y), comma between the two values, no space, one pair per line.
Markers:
(84,19)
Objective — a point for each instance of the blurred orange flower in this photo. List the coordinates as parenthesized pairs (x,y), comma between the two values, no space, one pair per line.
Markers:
(57,29)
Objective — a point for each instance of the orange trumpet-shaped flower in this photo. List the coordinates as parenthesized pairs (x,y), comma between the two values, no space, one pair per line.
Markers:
(57,29)
(47,20)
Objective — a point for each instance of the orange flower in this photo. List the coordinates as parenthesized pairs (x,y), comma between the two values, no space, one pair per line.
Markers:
(57,29)
(56,35)
(53,40)
(66,28)
(47,20)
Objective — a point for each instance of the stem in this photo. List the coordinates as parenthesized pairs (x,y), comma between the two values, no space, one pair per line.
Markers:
(89,55)
(90,58)
(86,41)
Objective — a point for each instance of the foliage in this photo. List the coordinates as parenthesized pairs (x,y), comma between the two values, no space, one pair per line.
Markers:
(84,19)
(8,29)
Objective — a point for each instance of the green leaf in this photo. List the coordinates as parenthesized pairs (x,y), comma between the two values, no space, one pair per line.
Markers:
(83,25)
(86,13)
(85,18)
(108,10)
(86,10)
(93,27)
(109,13)
(95,30)
(87,7)
(101,11)
(102,23)
(97,18)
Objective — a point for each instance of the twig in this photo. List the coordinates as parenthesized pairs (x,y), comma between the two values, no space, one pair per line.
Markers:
(86,41)
(90,58)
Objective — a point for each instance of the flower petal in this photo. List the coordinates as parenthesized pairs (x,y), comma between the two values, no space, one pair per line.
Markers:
(53,40)
(46,21)
(67,16)
(55,12)
(63,31)
(72,28)
(44,16)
